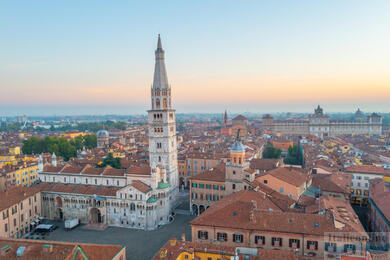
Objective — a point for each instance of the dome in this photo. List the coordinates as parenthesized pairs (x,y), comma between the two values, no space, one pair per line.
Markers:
(237,147)
(102,133)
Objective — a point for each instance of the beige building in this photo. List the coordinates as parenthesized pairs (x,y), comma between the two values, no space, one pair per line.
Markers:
(319,124)
(19,207)
(249,220)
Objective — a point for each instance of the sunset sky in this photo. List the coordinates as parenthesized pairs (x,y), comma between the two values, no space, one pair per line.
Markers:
(97,57)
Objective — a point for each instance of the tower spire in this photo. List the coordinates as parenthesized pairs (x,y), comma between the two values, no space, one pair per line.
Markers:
(161,91)
(159,45)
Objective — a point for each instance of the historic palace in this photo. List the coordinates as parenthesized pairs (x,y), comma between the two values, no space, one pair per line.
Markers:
(139,196)
(320,125)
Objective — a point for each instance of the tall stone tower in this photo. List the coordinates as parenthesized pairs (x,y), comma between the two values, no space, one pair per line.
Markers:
(162,123)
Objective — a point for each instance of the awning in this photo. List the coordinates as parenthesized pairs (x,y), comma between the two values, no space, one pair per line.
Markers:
(99,198)
(44,226)
(40,218)
(32,223)
(37,220)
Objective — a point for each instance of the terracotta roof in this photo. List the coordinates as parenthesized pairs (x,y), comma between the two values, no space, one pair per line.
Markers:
(173,248)
(277,255)
(91,170)
(336,182)
(140,170)
(342,212)
(14,195)
(139,185)
(380,195)
(290,175)
(232,212)
(215,174)
(265,164)
(109,171)
(77,189)
(240,117)
(60,250)
(71,168)
(50,168)
(368,169)
(284,202)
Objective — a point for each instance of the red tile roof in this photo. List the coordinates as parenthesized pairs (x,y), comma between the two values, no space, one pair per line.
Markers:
(60,250)
(265,164)
(14,195)
(368,169)
(140,170)
(289,175)
(216,174)
(139,185)
(233,212)
(77,189)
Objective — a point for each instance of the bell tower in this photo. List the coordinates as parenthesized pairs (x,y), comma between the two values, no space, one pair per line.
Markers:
(162,122)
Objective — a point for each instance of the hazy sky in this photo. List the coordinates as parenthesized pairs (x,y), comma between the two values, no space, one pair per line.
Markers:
(80,57)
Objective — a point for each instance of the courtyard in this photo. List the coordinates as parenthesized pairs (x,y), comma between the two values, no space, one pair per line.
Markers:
(139,244)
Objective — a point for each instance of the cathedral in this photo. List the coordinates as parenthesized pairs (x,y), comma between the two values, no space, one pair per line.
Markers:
(139,197)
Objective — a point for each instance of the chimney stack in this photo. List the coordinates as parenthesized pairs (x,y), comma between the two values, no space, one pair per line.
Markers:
(47,249)
(172,241)
(254,204)
(183,237)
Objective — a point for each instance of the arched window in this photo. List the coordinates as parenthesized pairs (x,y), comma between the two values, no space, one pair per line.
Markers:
(164,103)
(157,103)
(132,206)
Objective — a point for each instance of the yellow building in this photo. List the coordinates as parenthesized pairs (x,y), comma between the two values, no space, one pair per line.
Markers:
(184,250)
(14,150)
(116,154)
(72,135)
(8,159)
(24,175)
(187,250)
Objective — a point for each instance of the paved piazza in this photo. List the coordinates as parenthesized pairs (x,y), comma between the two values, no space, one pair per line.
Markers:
(139,244)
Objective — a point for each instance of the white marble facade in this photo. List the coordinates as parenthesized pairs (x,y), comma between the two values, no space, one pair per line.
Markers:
(139,197)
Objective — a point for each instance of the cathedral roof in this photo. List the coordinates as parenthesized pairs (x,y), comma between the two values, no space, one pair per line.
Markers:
(240,117)
(102,133)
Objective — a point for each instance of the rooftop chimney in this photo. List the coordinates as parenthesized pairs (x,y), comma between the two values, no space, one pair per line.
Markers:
(172,241)
(183,237)
(252,217)
(254,204)
(47,248)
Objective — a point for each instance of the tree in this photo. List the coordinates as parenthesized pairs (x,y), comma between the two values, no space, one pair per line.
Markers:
(293,156)
(110,160)
(90,141)
(271,152)
(77,142)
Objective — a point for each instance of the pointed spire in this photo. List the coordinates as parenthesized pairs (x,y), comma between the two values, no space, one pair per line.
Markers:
(159,45)
(160,80)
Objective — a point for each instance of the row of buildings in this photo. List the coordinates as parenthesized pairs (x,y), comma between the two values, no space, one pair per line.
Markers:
(320,125)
